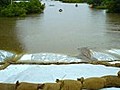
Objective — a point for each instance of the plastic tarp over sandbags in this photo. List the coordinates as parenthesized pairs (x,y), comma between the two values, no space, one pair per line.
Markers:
(115,51)
(49,57)
(5,55)
(100,55)
(103,56)
(49,73)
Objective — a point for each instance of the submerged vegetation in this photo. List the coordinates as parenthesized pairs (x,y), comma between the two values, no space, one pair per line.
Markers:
(21,8)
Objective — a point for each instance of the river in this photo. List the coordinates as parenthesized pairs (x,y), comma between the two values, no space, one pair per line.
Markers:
(61,32)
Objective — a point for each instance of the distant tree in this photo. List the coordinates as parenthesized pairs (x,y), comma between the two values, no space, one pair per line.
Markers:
(72,1)
(95,2)
(34,6)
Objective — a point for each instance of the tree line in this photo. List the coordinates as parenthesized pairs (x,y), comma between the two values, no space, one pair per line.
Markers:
(9,8)
(113,6)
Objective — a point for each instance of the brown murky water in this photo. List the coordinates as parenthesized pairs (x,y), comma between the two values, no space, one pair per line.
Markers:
(61,32)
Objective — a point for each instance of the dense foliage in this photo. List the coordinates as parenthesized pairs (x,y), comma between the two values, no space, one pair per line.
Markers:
(34,6)
(113,6)
(4,2)
(22,8)
(72,1)
(94,2)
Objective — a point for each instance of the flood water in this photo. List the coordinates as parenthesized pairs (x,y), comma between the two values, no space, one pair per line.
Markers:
(61,32)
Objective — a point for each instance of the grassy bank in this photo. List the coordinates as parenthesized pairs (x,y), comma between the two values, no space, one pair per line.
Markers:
(72,1)
(101,7)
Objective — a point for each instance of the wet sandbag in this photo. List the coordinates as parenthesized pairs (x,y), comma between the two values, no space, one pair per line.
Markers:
(27,86)
(112,81)
(7,86)
(94,83)
(70,84)
(49,86)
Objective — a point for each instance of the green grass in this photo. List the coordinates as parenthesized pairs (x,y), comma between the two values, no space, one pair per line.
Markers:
(72,1)
(101,7)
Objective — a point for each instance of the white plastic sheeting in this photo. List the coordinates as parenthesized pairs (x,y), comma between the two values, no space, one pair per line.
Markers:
(4,55)
(100,55)
(49,73)
(49,57)
(115,51)
(103,56)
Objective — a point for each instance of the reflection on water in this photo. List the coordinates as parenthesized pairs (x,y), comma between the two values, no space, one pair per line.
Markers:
(8,36)
(113,30)
(61,32)
(114,22)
